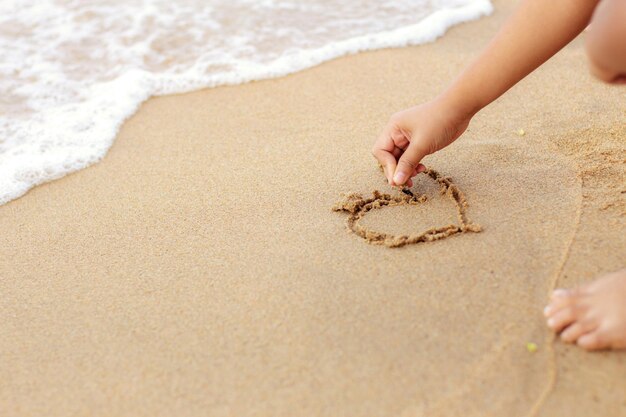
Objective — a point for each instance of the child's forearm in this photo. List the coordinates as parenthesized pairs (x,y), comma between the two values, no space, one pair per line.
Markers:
(537,30)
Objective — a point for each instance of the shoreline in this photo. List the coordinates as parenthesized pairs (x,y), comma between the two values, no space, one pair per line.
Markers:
(54,150)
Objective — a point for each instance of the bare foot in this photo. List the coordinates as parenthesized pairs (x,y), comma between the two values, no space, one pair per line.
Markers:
(592,316)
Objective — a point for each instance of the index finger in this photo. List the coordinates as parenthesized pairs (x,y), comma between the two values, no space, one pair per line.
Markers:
(387,160)
(383,152)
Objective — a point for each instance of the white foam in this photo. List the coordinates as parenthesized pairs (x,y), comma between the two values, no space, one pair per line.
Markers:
(73,71)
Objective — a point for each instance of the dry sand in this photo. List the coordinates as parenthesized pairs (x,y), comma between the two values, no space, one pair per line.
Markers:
(199,270)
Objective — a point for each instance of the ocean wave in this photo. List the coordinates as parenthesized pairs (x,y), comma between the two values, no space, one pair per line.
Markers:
(73,71)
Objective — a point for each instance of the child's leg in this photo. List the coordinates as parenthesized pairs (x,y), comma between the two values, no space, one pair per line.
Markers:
(606,42)
(593,316)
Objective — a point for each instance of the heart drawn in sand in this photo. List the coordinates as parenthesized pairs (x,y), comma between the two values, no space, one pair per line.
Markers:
(357,207)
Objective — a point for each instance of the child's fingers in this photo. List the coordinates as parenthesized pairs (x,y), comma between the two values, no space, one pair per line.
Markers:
(387,160)
(409,162)
(397,152)
(420,168)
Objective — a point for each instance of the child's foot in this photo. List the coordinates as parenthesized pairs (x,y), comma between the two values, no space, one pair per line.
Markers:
(592,316)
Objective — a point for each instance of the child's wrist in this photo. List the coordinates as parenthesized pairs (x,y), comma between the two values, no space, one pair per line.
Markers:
(458,105)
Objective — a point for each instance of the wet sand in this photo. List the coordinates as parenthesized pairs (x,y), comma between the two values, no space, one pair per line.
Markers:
(199,269)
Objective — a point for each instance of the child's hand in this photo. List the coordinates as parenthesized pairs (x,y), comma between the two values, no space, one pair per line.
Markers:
(412,134)
(535,32)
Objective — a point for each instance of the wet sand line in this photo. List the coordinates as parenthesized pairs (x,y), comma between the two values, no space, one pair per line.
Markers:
(551,336)
(357,207)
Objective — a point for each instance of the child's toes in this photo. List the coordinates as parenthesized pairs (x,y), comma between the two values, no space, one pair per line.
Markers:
(560,293)
(562,318)
(568,295)
(560,299)
(577,329)
(593,340)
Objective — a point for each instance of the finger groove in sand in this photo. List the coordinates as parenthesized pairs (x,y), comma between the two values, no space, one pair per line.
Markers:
(551,336)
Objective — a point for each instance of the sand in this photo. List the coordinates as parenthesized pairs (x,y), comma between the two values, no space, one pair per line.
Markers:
(199,271)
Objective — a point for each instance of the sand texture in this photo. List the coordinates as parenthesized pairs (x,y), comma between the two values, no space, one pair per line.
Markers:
(200,271)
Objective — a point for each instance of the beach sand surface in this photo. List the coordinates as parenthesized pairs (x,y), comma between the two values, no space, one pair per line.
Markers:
(199,270)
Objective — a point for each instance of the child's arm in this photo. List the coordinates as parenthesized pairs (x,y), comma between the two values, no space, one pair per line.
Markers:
(536,31)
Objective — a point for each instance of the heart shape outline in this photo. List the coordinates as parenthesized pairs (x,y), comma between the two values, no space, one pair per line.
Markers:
(357,207)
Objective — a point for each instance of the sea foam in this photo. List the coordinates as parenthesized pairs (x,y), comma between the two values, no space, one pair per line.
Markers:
(72,71)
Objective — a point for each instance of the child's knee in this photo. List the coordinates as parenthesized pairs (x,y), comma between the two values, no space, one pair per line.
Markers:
(606,41)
